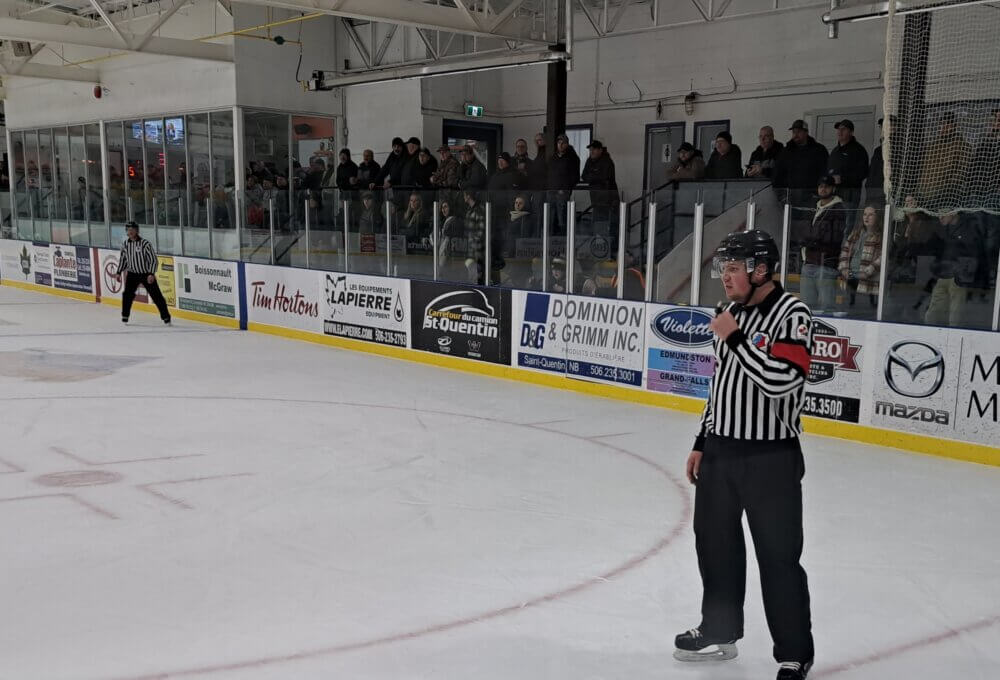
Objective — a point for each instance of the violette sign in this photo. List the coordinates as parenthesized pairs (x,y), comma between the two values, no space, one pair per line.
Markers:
(684,327)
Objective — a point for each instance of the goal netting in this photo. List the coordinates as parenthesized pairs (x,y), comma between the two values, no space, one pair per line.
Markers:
(942,106)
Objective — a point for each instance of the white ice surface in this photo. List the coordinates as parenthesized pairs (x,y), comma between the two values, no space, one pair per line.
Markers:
(242,506)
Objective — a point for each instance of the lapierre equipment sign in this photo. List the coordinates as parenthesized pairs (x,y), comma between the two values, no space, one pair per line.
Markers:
(462,321)
(367,308)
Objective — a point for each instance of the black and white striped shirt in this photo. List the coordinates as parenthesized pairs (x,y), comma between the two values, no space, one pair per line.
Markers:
(759,383)
(138,257)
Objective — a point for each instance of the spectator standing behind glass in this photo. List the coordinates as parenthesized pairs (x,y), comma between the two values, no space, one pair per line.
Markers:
(800,165)
(368,170)
(392,169)
(983,176)
(875,184)
(538,171)
(475,232)
(424,169)
(347,171)
(726,161)
(504,180)
(599,174)
(821,249)
(451,231)
(448,170)
(861,257)
(764,157)
(473,172)
(848,167)
(689,164)
(564,167)
(408,177)
(957,268)
(946,163)
(521,162)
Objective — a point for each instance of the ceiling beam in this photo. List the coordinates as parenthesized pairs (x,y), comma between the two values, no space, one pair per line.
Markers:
(459,19)
(50,72)
(107,20)
(35,31)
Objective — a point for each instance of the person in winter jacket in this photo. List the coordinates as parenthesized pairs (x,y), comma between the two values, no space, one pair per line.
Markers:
(861,257)
(346,171)
(416,220)
(689,164)
(538,171)
(875,184)
(521,162)
(447,174)
(424,169)
(392,170)
(765,156)
(726,161)
(983,177)
(599,174)
(371,217)
(505,180)
(849,168)
(958,269)
(563,174)
(473,172)
(800,165)
(945,166)
(408,177)
(821,249)
(368,170)
(563,166)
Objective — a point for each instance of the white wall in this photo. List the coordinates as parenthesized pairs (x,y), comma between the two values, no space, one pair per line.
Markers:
(265,73)
(377,113)
(136,84)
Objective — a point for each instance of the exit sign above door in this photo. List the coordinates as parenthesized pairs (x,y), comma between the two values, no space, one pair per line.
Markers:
(473,111)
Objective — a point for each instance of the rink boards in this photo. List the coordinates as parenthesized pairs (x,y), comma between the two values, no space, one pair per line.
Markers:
(926,389)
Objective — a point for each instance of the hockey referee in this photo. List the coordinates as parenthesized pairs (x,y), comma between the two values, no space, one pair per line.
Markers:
(139,264)
(747,458)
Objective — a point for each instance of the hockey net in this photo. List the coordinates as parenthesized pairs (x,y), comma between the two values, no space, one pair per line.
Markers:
(942,106)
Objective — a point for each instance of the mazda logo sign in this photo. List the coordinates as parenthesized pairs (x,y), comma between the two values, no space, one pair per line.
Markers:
(916,359)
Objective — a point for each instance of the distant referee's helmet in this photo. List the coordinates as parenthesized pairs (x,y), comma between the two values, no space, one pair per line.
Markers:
(132,224)
(752,247)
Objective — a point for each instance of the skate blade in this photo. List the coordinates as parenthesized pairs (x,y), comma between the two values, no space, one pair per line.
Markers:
(710,653)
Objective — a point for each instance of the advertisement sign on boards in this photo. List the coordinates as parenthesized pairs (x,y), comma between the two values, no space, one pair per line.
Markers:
(281,296)
(462,321)
(71,269)
(207,286)
(369,308)
(679,353)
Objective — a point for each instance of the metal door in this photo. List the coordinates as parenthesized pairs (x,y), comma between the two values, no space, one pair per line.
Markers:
(662,140)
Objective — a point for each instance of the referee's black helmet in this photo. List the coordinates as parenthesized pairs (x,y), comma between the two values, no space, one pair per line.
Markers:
(132,224)
(755,247)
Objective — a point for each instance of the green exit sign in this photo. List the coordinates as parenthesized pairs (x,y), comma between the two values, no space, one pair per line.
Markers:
(474,111)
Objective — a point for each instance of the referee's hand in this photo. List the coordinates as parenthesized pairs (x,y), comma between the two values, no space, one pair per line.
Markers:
(724,325)
(693,465)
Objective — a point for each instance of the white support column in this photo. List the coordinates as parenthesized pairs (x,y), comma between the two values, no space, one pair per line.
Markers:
(570,245)
(751,215)
(622,230)
(883,273)
(347,235)
(996,299)
(786,228)
(240,168)
(105,179)
(650,251)
(436,226)
(697,246)
(545,248)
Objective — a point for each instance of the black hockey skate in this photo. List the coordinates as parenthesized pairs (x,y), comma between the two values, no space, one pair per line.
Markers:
(693,646)
(793,670)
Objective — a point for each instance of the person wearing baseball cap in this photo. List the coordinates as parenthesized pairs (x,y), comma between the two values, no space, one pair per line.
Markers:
(688,164)
(849,167)
(446,175)
(392,170)
(801,163)
(821,248)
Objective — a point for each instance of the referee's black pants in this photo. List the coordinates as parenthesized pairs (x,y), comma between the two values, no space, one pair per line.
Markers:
(132,282)
(765,480)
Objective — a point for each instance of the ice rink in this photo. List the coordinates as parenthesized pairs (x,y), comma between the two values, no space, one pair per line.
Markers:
(194,502)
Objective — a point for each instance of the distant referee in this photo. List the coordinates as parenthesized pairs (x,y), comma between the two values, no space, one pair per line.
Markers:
(139,263)
(747,458)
